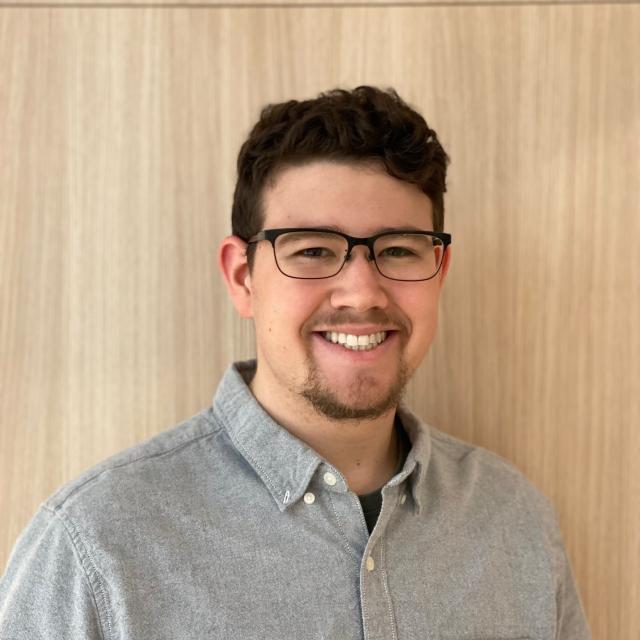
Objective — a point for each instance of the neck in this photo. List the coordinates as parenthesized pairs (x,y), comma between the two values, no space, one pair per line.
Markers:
(366,452)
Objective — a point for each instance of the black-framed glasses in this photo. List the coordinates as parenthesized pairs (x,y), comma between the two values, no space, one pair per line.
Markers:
(315,253)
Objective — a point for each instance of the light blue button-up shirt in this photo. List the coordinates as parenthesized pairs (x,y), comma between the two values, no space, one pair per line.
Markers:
(229,527)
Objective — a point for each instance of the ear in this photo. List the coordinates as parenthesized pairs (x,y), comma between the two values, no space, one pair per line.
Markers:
(232,261)
(446,262)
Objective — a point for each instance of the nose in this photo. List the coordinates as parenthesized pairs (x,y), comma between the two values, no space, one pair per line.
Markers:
(359,285)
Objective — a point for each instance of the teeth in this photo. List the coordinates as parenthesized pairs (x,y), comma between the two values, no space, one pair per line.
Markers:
(356,343)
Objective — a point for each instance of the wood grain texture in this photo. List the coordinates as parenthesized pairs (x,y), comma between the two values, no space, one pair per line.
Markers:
(312,4)
(119,132)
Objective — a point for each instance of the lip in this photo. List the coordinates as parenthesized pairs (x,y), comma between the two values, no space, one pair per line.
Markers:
(336,351)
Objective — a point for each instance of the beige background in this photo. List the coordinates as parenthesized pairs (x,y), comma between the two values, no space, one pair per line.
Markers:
(119,129)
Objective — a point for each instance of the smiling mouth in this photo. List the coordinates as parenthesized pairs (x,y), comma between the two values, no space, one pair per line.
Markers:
(356,343)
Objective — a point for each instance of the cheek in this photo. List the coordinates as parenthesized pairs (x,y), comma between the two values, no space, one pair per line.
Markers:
(282,311)
(422,311)
(432,324)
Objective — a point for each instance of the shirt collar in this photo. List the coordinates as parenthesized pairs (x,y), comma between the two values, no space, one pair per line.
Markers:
(283,462)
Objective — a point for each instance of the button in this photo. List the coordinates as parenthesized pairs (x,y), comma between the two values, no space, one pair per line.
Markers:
(330,479)
(403,498)
(371,565)
(309,498)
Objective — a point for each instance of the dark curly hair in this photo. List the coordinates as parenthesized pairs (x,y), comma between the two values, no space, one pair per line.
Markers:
(358,126)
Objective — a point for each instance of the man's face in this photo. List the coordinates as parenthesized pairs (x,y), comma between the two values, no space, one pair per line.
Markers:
(291,315)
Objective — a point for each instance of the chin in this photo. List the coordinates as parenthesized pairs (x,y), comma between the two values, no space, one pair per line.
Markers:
(364,400)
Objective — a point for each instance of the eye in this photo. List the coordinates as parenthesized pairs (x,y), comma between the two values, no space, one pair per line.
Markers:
(316,252)
(397,252)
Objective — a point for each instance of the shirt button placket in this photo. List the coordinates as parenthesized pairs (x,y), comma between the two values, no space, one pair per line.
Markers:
(378,616)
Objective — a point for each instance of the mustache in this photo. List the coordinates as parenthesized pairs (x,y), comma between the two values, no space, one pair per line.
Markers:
(373,316)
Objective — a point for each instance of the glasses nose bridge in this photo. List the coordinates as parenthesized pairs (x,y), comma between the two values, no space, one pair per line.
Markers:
(354,242)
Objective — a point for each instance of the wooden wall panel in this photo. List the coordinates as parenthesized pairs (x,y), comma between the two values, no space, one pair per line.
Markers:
(119,131)
(271,4)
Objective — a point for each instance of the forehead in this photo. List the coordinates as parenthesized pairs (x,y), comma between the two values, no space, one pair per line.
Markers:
(357,199)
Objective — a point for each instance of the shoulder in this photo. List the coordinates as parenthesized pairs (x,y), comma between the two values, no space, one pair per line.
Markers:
(473,473)
(140,470)
(457,453)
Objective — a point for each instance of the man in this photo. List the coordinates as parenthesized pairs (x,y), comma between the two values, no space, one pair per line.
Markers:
(308,501)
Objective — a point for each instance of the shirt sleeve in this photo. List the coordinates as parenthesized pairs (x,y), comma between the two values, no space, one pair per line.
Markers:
(571,622)
(45,593)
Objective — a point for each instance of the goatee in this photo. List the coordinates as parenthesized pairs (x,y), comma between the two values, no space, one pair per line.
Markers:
(324,400)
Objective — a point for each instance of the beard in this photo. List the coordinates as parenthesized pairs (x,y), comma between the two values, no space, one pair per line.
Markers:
(325,401)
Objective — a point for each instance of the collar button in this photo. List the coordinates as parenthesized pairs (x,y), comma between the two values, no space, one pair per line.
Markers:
(330,479)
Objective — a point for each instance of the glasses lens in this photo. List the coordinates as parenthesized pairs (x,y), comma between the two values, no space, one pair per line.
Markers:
(310,254)
(409,256)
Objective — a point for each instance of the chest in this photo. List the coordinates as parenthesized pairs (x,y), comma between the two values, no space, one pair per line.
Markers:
(315,573)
